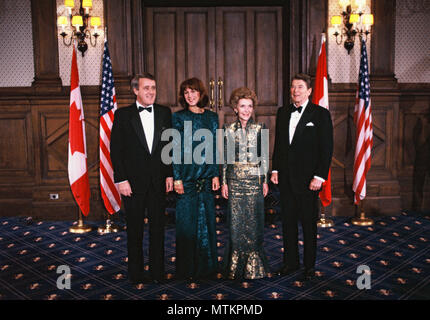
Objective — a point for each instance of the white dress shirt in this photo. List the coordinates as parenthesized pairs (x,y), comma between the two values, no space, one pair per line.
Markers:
(295,118)
(147,119)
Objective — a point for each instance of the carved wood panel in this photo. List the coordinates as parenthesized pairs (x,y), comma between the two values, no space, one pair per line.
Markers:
(16,144)
(414,151)
(249,53)
(179,44)
(54,135)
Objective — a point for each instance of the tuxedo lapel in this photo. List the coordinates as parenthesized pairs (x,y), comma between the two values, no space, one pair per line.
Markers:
(138,128)
(306,117)
(287,127)
(157,127)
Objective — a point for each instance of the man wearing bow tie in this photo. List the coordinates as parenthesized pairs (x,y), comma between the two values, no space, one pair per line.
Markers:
(300,163)
(141,176)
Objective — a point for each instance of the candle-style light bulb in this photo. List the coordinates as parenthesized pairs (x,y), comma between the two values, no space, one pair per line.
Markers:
(344,3)
(62,22)
(360,5)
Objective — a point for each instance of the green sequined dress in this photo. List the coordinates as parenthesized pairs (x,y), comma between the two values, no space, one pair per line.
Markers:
(196,251)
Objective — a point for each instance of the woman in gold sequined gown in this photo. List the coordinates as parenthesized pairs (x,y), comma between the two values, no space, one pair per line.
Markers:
(245,186)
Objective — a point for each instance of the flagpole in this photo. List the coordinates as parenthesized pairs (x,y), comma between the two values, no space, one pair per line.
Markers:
(320,97)
(109,227)
(80,227)
(361,220)
(362,110)
(79,181)
(324,222)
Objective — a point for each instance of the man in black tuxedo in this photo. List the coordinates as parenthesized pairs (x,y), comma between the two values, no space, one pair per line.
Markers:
(142,177)
(300,163)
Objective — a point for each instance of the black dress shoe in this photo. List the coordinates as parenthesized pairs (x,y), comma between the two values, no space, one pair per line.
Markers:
(309,274)
(137,280)
(159,281)
(285,271)
(139,277)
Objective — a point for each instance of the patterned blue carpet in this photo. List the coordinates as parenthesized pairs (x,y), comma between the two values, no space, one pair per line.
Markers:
(396,249)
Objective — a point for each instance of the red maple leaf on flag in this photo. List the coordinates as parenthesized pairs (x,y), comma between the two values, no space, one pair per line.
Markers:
(77,139)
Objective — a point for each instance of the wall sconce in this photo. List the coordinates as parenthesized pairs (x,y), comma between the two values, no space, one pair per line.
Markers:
(355,21)
(79,25)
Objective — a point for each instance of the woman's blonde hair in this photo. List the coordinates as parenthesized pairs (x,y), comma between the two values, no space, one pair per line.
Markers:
(242,93)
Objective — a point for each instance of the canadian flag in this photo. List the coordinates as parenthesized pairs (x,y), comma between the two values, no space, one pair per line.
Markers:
(320,97)
(78,172)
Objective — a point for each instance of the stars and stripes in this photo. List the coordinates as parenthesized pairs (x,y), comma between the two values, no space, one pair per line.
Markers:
(108,106)
(364,133)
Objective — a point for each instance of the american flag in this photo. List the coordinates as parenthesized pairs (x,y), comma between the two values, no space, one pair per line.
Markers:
(364,133)
(108,106)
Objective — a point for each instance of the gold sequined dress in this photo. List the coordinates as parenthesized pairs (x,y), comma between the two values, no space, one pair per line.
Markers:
(245,171)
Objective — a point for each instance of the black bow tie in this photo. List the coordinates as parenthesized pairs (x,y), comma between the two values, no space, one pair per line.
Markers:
(294,108)
(149,109)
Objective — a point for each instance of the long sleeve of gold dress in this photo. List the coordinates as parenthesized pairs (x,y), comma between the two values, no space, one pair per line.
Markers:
(245,171)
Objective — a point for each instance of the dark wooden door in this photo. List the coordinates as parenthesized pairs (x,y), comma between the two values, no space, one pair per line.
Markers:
(249,53)
(242,46)
(238,46)
(179,44)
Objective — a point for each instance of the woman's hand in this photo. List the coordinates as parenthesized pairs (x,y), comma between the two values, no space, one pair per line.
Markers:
(215,183)
(179,187)
(265,189)
(224,191)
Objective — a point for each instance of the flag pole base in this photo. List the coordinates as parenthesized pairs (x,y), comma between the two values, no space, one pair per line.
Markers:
(80,227)
(108,228)
(362,220)
(325,223)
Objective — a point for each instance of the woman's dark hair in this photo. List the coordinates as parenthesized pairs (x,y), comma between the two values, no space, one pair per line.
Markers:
(195,84)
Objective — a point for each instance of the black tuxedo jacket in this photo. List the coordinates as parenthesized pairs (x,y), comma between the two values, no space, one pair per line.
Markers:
(129,151)
(310,151)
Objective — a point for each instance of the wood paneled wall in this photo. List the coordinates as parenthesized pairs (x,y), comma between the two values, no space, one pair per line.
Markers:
(34,121)
(33,160)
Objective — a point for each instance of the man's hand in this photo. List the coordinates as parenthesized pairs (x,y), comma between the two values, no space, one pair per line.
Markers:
(169,184)
(179,187)
(315,184)
(274,178)
(125,188)
(224,191)
(215,183)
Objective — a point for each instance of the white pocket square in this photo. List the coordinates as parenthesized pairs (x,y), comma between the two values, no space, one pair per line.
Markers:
(309,124)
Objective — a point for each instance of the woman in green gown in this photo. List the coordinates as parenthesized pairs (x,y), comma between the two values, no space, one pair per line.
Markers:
(245,185)
(195,177)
